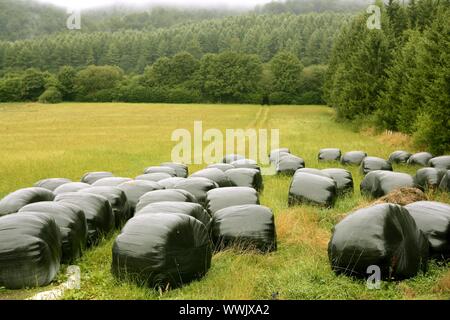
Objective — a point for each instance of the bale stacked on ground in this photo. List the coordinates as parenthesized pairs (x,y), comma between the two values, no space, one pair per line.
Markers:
(52,183)
(221,166)
(445,182)
(379,183)
(92,177)
(71,187)
(181,170)
(229,158)
(421,159)
(168,170)
(329,154)
(218,199)
(246,163)
(162,250)
(164,195)
(433,218)
(343,178)
(216,175)
(276,154)
(353,158)
(30,250)
(428,178)
(383,235)
(243,177)
(311,188)
(198,187)
(442,162)
(399,157)
(155,177)
(98,212)
(71,222)
(246,227)
(170,183)
(288,164)
(16,200)
(370,164)
(136,189)
(110,182)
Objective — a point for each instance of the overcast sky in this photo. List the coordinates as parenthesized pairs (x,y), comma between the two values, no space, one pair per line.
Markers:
(202,3)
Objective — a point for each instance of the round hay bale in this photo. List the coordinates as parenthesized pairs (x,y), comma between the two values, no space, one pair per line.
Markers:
(110,182)
(343,178)
(399,157)
(353,158)
(312,189)
(181,169)
(218,199)
(276,154)
(243,177)
(170,183)
(155,177)
(370,164)
(379,183)
(171,171)
(52,183)
(329,154)
(221,166)
(71,187)
(198,187)
(442,162)
(229,158)
(445,182)
(213,174)
(92,177)
(428,178)
(16,200)
(137,188)
(288,164)
(420,159)
(246,163)
(173,195)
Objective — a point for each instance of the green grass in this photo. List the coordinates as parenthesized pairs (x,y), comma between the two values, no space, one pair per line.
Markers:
(67,140)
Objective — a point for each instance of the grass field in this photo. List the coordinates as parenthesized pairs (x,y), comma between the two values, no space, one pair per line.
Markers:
(67,140)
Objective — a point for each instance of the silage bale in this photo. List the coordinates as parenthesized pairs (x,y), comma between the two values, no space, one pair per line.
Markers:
(71,187)
(194,210)
(98,212)
(420,159)
(329,154)
(383,235)
(442,162)
(71,221)
(173,195)
(287,165)
(168,170)
(399,157)
(52,183)
(248,227)
(118,201)
(137,188)
(170,183)
(276,154)
(216,175)
(243,177)
(246,163)
(30,250)
(353,158)
(433,218)
(181,170)
(220,198)
(370,164)
(198,187)
(379,183)
(314,171)
(162,250)
(221,166)
(92,177)
(445,182)
(312,189)
(110,182)
(428,178)
(343,178)
(16,200)
(229,158)
(155,177)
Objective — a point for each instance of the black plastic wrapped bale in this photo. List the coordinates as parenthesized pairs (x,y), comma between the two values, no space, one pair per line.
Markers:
(287,165)
(433,218)
(247,227)
(243,177)
(445,182)
(162,250)
(71,187)
(216,175)
(110,182)
(370,164)
(170,183)
(52,183)
(343,178)
(229,158)
(218,199)
(317,172)
(14,201)
(198,187)
(189,208)
(136,189)
(92,177)
(329,154)
(30,250)
(379,183)
(399,157)
(118,200)
(71,222)
(221,166)
(420,159)
(383,235)
(312,189)
(246,163)
(98,212)
(353,158)
(168,170)
(428,178)
(442,162)
(154,176)
(181,169)
(173,195)
(276,154)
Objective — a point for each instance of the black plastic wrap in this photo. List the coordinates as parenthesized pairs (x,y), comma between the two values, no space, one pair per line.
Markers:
(173,195)
(442,162)
(370,164)
(110,182)
(246,163)
(312,189)
(170,183)
(71,187)
(353,158)
(198,187)
(428,178)
(313,171)
(14,201)
(399,157)
(433,218)
(181,169)
(421,159)
(30,250)
(288,164)
(445,182)
(92,177)
(277,154)
(161,250)
(98,212)
(343,178)
(221,166)
(218,199)
(379,183)
(71,222)
(216,175)
(247,227)
(243,177)
(171,171)
(383,235)
(229,158)
(329,154)
(154,176)
(136,189)
(52,183)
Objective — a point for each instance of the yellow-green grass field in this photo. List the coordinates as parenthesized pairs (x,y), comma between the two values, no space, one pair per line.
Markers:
(66,140)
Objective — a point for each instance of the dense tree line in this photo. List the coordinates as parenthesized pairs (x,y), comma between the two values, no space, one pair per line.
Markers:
(399,75)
